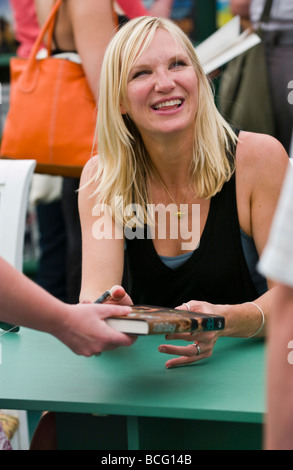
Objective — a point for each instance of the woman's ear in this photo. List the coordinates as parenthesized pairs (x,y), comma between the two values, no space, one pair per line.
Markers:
(123,108)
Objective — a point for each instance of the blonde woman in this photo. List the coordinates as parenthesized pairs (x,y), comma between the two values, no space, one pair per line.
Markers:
(169,164)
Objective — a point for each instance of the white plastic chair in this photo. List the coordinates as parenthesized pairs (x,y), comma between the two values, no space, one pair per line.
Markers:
(15,180)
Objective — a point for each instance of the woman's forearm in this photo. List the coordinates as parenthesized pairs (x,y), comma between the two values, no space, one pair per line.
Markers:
(80,327)
(23,302)
(93,27)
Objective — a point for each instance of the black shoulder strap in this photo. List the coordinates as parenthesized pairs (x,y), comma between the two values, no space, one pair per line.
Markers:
(267,11)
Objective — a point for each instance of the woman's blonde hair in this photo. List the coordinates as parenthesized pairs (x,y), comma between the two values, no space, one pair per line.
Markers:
(123,163)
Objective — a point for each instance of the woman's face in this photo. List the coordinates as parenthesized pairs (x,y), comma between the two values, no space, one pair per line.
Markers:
(162,89)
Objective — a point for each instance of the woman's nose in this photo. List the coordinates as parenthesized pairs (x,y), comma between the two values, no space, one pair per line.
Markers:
(164,81)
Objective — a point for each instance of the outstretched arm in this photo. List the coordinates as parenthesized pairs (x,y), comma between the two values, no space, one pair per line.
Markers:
(81,327)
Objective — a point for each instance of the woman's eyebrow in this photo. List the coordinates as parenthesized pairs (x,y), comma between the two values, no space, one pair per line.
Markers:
(173,58)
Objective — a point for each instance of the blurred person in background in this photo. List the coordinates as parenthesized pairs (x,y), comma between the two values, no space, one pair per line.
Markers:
(277,35)
(137,8)
(181,13)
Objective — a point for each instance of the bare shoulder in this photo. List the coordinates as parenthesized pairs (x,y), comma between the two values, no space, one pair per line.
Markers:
(261,165)
(87,186)
(89,170)
(260,146)
(260,156)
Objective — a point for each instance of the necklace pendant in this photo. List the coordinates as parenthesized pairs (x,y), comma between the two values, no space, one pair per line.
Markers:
(179,214)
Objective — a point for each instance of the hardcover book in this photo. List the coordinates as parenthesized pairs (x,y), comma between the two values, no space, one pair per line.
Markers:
(153,320)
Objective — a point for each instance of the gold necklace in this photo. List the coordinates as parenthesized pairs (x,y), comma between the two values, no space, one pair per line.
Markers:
(179,213)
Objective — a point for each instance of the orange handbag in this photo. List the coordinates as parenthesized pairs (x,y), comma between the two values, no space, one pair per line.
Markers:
(52,111)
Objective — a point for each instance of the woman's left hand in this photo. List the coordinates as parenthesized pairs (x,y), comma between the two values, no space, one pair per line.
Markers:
(202,343)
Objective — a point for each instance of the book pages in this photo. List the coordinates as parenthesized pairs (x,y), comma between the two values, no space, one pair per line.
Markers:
(225,44)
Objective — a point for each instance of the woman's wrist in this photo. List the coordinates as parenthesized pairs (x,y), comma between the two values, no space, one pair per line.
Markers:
(245,320)
(260,329)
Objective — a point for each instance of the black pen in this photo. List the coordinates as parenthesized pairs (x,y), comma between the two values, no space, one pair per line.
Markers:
(103,297)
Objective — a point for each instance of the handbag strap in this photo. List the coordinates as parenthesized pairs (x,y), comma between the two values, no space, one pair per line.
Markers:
(26,81)
(51,28)
(265,17)
(48,27)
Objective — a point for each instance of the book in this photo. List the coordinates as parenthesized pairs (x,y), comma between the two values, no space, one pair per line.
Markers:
(225,44)
(153,320)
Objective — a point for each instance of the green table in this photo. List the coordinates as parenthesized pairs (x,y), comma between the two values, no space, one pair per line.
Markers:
(126,399)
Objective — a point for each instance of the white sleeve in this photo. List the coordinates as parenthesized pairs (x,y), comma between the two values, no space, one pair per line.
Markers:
(276,262)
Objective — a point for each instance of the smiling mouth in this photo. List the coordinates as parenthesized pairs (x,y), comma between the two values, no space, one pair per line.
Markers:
(168,105)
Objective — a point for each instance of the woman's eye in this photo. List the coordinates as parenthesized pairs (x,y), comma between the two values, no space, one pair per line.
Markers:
(140,74)
(178,63)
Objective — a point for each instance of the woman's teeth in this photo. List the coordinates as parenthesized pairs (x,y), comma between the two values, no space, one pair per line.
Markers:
(168,104)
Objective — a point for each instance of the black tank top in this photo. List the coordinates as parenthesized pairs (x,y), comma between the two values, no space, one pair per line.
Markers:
(216,272)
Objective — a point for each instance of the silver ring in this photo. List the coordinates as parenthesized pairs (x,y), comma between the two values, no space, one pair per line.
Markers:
(198,348)
(188,308)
